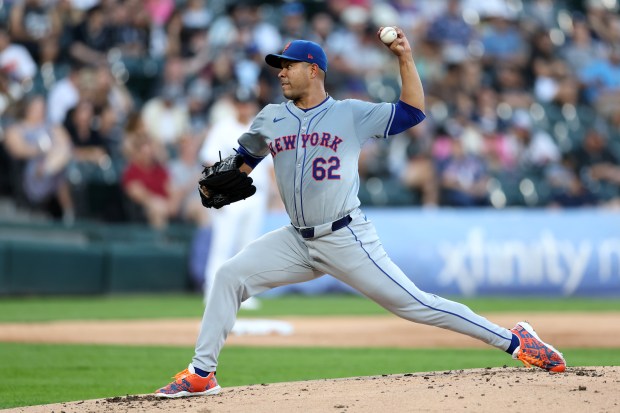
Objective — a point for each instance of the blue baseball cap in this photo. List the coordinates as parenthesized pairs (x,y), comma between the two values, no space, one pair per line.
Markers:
(299,51)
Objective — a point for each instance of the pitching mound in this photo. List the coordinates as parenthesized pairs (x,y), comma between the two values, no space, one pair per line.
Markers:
(480,390)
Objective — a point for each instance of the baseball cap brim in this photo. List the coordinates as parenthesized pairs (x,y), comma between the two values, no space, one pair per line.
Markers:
(275,60)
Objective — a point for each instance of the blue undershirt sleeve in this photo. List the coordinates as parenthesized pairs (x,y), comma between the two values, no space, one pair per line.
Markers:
(405,117)
(248,158)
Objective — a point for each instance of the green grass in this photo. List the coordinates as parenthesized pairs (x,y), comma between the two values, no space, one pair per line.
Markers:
(169,306)
(35,374)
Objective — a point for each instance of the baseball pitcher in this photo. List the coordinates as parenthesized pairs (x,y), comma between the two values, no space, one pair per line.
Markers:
(315,143)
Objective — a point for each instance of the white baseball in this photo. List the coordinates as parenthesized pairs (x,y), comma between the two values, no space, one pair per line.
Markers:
(388,35)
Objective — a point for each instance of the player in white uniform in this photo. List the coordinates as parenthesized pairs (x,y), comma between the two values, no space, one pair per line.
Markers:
(240,223)
(315,142)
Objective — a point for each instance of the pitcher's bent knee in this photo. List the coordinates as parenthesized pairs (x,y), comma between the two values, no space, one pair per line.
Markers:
(232,272)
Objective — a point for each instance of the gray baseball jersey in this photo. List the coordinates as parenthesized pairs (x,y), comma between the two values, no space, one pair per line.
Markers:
(315,154)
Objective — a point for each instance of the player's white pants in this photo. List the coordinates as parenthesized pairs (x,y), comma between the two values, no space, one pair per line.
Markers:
(354,255)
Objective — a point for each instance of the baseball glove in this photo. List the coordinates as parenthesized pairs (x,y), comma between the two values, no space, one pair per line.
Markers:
(223,183)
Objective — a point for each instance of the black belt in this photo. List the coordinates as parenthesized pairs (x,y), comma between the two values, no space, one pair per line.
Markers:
(308,232)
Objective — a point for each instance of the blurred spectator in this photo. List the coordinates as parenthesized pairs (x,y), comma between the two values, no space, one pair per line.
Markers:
(196,15)
(222,74)
(63,95)
(419,173)
(168,41)
(600,15)
(602,82)
(463,179)
(32,21)
(485,110)
(414,16)
(146,183)
(450,28)
(511,86)
(598,166)
(445,86)
(174,73)
(101,88)
(41,152)
(551,76)
(159,14)
(109,129)
(88,145)
(503,42)
(191,44)
(192,24)
(499,152)
(92,171)
(166,117)
(185,171)
(540,14)
(294,22)
(567,189)
(354,53)
(15,61)
(473,77)
(581,50)
(321,26)
(130,29)
(241,28)
(83,5)
(92,38)
(159,10)
(51,68)
(135,129)
(431,67)
(198,98)
(536,148)
(16,71)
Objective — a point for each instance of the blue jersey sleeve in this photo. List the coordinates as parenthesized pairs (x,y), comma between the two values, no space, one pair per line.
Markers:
(248,158)
(405,117)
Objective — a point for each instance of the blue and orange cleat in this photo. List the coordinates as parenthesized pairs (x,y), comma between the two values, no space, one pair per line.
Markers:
(532,351)
(187,383)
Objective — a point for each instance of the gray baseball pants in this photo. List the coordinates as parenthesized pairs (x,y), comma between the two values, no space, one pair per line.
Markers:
(353,254)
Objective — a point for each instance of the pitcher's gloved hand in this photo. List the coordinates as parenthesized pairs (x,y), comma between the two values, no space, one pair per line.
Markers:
(223,183)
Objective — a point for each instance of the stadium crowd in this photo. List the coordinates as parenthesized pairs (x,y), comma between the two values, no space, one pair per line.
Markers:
(105,103)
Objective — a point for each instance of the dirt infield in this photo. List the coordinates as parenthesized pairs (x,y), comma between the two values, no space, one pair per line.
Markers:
(579,389)
(479,390)
(595,330)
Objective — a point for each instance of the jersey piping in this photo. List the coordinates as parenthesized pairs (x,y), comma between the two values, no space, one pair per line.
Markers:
(296,151)
(387,128)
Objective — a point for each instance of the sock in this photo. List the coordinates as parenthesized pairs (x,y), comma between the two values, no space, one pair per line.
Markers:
(201,372)
(513,344)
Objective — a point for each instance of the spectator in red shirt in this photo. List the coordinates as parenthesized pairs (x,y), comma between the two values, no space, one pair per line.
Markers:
(147,183)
